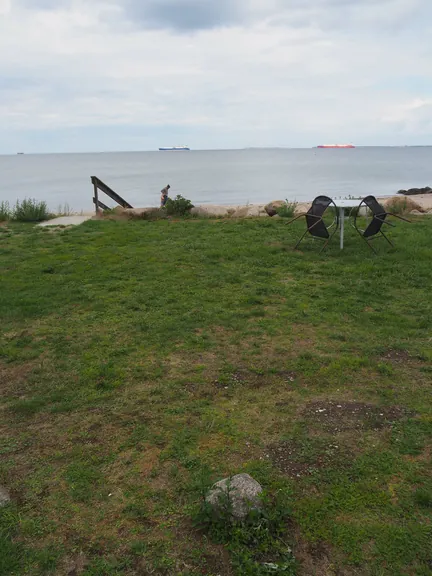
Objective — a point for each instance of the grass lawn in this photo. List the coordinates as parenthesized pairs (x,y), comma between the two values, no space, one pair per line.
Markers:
(141,361)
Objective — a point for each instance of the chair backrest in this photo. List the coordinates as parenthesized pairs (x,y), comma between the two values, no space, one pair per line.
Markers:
(315,226)
(379,215)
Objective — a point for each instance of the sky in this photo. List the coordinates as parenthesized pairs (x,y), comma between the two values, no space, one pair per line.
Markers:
(99,75)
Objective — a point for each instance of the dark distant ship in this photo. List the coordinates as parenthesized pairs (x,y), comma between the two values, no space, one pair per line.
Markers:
(174,149)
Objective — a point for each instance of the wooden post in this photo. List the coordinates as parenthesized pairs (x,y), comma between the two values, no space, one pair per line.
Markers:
(96,197)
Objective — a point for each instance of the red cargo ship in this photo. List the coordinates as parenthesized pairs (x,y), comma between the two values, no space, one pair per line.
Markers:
(336,146)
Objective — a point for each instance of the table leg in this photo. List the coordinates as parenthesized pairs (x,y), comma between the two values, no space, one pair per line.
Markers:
(342,225)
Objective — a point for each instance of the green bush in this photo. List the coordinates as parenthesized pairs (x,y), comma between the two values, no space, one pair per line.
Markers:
(178,206)
(30,210)
(5,211)
(287,210)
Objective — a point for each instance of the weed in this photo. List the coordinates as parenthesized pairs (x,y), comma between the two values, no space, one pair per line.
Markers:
(5,211)
(64,210)
(423,497)
(256,544)
(288,209)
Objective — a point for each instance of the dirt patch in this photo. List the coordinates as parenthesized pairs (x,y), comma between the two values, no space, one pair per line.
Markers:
(295,460)
(74,566)
(287,375)
(334,416)
(13,378)
(398,356)
(318,559)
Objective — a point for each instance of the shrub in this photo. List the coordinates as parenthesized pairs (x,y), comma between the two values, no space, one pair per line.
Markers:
(30,210)
(287,210)
(5,211)
(178,206)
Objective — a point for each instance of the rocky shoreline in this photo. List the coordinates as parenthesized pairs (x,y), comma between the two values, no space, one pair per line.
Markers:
(416,191)
(421,205)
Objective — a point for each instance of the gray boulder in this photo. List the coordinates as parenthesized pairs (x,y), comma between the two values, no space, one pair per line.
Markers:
(4,497)
(239,494)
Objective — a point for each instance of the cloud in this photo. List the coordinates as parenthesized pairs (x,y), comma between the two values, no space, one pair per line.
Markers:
(215,74)
(183,14)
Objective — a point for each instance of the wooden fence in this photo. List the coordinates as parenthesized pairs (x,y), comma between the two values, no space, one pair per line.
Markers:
(99,185)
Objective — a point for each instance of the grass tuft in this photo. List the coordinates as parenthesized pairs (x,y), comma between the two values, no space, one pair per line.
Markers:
(30,210)
(287,210)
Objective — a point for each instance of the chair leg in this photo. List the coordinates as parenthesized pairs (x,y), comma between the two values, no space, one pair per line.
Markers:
(370,245)
(325,245)
(298,243)
(391,243)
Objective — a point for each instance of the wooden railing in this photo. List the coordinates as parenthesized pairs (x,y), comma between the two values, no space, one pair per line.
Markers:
(99,185)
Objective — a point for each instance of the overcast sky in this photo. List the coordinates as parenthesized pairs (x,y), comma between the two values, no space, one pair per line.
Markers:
(95,75)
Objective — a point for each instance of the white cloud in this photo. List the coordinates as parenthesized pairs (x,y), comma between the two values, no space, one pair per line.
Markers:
(413,117)
(287,72)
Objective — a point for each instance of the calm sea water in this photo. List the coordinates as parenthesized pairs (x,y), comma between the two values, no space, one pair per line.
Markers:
(217,177)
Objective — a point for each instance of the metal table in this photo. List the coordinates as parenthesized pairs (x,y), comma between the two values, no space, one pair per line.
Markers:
(343,204)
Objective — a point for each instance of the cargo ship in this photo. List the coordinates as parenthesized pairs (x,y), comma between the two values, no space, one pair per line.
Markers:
(336,146)
(174,148)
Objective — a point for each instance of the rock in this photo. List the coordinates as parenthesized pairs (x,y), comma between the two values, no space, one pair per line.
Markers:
(272,207)
(250,211)
(415,191)
(212,210)
(416,213)
(138,212)
(216,211)
(4,497)
(243,493)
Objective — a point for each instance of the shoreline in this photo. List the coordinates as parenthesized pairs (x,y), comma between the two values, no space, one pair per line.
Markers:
(423,201)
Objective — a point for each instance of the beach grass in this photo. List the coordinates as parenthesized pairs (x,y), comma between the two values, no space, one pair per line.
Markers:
(141,361)
(27,210)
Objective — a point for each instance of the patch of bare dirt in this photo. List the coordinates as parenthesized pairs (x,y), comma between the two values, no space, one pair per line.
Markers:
(13,378)
(74,566)
(318,559)
(291,458)
(398,356)
(334,416)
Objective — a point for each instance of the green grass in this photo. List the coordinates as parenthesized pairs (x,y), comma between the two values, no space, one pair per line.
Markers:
(141,361)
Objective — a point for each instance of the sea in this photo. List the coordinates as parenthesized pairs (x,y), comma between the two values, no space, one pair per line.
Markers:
(214,176)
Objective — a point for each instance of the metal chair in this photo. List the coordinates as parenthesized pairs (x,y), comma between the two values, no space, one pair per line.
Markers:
(315,223)
(379,215)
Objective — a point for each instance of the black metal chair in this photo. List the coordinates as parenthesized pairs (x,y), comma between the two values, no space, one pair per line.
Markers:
(379,218)
(315,220)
